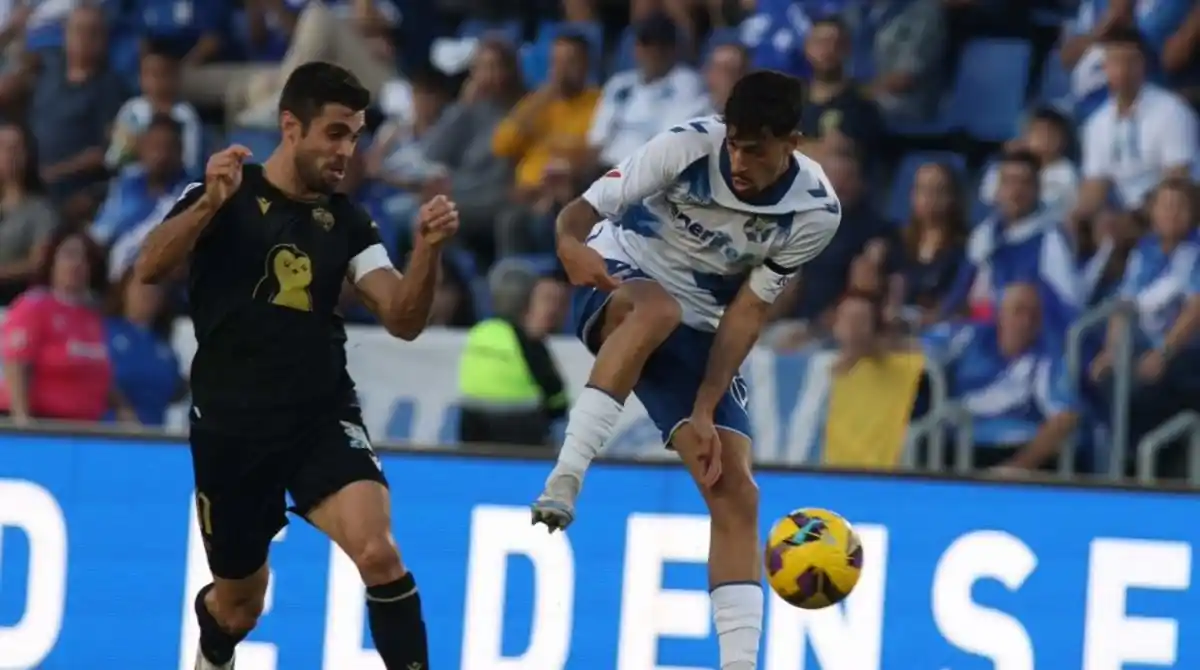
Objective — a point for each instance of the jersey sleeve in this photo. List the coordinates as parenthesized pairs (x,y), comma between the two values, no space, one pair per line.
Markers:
(650,169)
(810,234)
(367,252)
(187,197)
(21,328)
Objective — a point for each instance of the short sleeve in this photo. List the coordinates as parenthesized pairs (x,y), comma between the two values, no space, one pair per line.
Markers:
(1053,389)
(21,328)
(367,252)
(650,169)
(810,234)
(189,196)
(945,342)
(1179,147)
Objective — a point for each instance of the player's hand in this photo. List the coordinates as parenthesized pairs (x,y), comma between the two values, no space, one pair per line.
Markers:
(710,447)
(437,221)
(585,266)
(223,174)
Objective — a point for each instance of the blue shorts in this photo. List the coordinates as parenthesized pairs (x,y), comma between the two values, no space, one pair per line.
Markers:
(672,376)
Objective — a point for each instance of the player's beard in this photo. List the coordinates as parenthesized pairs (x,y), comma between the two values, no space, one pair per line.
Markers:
(308,168)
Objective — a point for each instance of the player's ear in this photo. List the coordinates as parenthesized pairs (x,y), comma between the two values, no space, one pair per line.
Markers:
(290,126)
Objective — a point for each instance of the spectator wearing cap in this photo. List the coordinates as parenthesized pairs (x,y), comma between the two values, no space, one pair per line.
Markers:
(836,110)
(900,47)
(638,104)
(75,97)
(1141,135)
(139,191)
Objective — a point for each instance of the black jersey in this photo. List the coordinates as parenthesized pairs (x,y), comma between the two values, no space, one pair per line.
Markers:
(263,289)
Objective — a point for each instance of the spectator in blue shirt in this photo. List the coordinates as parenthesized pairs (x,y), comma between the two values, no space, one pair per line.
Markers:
(1019,243)
(140,189)
(776,32)
(159,79)
(75,98)
(145,366)
(1012,383)
(193,28)
(1162,285)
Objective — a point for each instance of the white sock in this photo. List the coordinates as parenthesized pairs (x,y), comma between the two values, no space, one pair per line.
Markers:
(738,615)
(592,420)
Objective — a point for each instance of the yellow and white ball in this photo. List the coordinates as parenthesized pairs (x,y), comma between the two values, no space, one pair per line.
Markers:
(813,558)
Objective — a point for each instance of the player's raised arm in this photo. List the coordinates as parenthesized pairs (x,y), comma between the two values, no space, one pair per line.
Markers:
(649,170)
(167,246)
(402,302)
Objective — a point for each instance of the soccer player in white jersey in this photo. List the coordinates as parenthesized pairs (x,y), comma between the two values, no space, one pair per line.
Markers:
(682,249)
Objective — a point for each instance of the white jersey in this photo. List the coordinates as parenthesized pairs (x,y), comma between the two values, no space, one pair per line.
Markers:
(670,212)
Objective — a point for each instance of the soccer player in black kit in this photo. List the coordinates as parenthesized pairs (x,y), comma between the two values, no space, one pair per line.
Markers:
(267,248)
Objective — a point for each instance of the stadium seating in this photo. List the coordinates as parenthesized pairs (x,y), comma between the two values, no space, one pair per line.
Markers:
(990,90)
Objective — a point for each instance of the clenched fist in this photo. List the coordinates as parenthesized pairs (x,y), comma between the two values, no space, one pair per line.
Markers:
(437,221)
(223,174)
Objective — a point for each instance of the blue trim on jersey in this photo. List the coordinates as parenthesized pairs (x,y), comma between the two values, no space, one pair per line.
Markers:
(784,221)
(695,176)
(638,219)
(769,196)
(723,288)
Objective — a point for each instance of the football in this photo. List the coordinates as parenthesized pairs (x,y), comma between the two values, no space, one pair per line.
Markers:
(813,558)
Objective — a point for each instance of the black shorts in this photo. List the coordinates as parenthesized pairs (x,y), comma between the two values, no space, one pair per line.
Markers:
(243,472)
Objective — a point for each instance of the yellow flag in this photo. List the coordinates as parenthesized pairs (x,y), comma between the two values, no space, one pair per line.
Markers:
(869,411)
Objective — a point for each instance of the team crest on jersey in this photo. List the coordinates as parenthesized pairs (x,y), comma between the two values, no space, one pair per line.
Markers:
(323,218)
(758,229)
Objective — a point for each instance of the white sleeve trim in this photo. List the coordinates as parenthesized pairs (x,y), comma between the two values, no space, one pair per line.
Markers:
(768,284)
(372,258)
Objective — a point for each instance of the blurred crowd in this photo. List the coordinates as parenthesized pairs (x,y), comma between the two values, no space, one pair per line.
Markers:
(1004,166)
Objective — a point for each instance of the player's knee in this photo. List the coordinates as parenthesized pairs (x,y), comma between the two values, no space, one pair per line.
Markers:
(657,313)
(239,611)
(734,501)
(378,560)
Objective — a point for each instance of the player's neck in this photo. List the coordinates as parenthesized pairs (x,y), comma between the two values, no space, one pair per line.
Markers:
(281,174)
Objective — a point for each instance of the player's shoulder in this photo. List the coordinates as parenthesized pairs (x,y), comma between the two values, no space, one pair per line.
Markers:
(810,192)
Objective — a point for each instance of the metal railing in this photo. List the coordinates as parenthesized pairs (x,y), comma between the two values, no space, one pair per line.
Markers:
(1122,384)
(1184,424)
(943,414)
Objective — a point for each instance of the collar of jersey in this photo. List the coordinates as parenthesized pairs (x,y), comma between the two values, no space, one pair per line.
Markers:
(319,201)
(768,196)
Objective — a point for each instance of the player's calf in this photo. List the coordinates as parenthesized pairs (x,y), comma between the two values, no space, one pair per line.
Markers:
(734,568)
(638,317)
(358,519)
(227,610)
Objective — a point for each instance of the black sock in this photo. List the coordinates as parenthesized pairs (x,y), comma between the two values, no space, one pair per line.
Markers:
(394,610)
(216,643)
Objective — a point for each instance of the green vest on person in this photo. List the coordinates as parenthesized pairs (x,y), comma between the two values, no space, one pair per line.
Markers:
(492,371)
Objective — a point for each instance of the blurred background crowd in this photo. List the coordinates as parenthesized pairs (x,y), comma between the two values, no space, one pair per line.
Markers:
(1018,253)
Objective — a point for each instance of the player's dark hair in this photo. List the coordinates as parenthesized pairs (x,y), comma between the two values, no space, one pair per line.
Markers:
(765,102)
(316,84)
(430,80)
(96,260)
(1124,36)
(577,40)
(31,175)
(1023,157)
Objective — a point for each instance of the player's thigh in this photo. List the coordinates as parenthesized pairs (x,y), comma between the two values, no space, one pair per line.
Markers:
(600,313)
(240,507)
(339,487)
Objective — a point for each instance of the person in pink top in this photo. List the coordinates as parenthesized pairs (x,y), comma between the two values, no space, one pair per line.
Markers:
(53,341)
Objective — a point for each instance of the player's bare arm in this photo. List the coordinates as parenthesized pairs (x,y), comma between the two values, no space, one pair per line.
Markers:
(402,302)
(167,247)
(583,265)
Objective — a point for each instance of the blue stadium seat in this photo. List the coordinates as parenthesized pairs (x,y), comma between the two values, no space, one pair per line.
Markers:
(990,91)
(1055,84)
(260,142)
(900,195)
